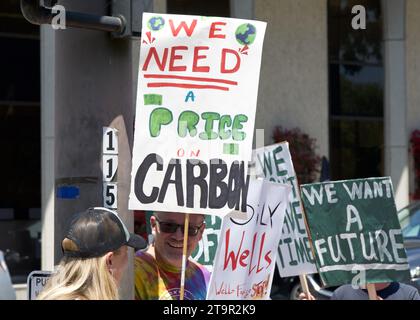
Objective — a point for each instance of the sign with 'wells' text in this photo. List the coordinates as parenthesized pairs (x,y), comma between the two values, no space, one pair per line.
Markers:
(274,163)
(195,113)
(246,254)
(355,231)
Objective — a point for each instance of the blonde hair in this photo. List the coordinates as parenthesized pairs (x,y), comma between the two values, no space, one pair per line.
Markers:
(81,279)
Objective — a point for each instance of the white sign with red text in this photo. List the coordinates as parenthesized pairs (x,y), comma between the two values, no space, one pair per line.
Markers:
(246,254)
(195,113)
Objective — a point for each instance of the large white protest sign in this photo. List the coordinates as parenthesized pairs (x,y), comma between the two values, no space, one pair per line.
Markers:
(247,249)
(195,113)
(295,257)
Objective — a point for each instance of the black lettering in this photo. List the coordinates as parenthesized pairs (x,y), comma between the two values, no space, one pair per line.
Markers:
(272,213)
(151,159)
(240,223)
(262,215)
(235,185)
(244,187)
(200,181)
(174,164)
(218,171)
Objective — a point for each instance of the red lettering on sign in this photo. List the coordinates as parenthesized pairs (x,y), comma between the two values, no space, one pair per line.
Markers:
(160,63)
(223,68)
(213,29)
(197,57)
(188,29)
(231,255)
(174,57)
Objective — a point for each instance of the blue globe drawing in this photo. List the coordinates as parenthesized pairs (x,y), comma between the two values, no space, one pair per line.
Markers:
(245,34)
(156,23)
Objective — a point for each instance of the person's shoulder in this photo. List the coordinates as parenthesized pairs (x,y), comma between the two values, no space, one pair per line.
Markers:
(345,288)
(410,292)
(199,267)
(408,287)
(344,292)
(141,258)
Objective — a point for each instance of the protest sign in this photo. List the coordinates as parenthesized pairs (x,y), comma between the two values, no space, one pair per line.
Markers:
(355,231)
(207,246)
(195,113)
(245,258)
(274,163)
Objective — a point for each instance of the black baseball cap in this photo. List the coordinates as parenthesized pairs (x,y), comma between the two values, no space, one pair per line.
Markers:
(97,231)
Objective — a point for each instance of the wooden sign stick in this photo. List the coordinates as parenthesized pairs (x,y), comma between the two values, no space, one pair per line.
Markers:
(184,256)
(302,277)
(372,291)
(304,284)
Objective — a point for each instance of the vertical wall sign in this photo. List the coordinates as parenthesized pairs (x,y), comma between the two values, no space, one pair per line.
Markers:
(109,167)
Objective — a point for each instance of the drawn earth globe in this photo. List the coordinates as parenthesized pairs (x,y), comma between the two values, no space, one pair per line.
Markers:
(156,23)
(245,34)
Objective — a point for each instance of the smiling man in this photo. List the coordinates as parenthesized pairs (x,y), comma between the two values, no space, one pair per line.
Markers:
(158,271)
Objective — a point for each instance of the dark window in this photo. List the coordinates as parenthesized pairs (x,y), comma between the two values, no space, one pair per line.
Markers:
(20,161)
(219,8)
(356,90)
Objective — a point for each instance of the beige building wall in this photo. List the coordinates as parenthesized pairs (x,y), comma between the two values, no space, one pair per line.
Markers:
(413,73)
(293,90)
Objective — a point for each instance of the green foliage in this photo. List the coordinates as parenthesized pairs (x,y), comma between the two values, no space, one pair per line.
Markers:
(302,149)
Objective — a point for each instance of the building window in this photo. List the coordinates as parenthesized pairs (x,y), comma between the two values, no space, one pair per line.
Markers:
(20,161)
(220,8)
(356,90)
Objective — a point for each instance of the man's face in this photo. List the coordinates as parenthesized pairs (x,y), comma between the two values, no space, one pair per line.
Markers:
(169,245)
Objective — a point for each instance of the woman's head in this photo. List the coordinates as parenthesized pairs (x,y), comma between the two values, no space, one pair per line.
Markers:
(85,279)
(95,257)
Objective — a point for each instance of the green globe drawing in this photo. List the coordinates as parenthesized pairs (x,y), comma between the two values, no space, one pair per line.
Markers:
(156,23)
(245,34)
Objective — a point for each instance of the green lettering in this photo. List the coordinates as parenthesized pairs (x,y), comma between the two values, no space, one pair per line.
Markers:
(225,121)
(237,125)
(208,133)
(187,122)
(159,117)
(279,161)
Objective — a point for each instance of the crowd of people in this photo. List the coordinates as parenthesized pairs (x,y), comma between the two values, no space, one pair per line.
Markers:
(95,257)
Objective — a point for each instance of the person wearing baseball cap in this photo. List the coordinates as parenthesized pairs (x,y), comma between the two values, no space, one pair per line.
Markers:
(95,257)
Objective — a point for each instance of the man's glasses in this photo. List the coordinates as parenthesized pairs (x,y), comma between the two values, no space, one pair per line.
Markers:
(170,227)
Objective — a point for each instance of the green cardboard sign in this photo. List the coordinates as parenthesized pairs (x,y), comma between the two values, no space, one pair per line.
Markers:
(207,246)
(206,249)
(355,231)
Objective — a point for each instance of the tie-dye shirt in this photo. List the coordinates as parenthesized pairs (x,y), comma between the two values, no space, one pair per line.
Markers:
(156,281)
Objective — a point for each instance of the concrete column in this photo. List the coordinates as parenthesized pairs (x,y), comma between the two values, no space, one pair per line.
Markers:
(242,9)
(412,66)
(395,122)
(93,88)
(47,145)
(293,88)
(159,6)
